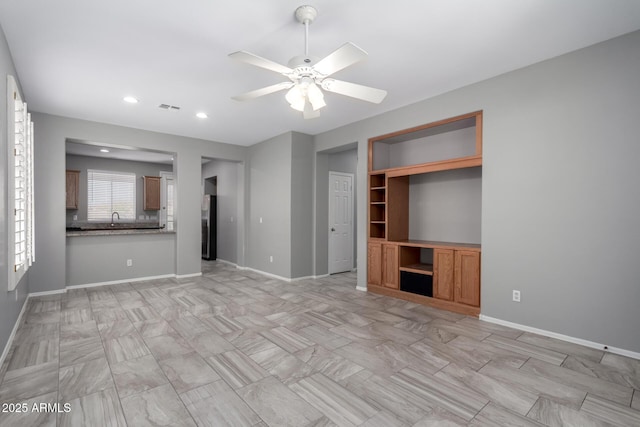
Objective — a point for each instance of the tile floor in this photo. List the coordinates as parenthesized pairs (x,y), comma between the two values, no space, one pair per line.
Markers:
(233,348)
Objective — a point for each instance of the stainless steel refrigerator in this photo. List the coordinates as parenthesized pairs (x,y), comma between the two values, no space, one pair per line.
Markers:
(209,231)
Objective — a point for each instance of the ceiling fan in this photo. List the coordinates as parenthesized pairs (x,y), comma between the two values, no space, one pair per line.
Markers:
(309,76)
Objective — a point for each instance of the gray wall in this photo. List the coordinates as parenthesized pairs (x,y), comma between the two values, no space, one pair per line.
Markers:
(99,259)
(228,195)
(560,206)
(82,163)
(10,302)
(269,178)
(446,206)
(51,133)
(301,205)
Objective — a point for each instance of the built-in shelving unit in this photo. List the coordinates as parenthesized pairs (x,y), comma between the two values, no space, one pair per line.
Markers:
(439,273)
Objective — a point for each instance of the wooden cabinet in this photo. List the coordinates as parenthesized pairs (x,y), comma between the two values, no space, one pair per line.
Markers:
(72,188)
(374,263)
(390,271)
(406,170)
(467,277)
(456,276)
(151,193)
(443,260)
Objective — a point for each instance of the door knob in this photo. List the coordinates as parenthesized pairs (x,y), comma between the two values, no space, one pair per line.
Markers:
(333,229)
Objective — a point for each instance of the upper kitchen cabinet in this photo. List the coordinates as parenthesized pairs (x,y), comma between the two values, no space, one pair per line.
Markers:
(72,187)
(151,193)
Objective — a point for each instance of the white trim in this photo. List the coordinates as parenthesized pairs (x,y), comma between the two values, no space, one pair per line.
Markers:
(41,294)
(574,340)
(297,279)
(361,288)
(117,282)
(285,279)
(186,276)
(7,346)
(264,273)
(224,261)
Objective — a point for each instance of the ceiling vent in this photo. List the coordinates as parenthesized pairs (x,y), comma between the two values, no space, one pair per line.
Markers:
(168,107)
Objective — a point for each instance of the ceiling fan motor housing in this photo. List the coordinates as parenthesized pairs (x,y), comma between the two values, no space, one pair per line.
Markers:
(306,13)
(302,61)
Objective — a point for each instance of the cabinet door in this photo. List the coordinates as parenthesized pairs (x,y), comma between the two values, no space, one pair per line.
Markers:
(73,182)
(151,193)
(390,269)
(443,260)
(467,278)
(374,264)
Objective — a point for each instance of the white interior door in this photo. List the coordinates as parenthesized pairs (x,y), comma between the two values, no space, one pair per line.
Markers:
(340,222)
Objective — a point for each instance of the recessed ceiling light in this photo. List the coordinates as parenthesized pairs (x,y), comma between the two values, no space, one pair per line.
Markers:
(130,99)
(104,150)
(201,115)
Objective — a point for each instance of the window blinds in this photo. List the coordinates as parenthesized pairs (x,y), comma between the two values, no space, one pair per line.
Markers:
(109,192)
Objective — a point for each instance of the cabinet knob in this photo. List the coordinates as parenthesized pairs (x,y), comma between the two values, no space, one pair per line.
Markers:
(333,229)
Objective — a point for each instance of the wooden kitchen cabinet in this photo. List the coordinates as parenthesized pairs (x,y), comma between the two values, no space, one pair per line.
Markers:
(443,260)
(374,263)
(151,193)
(390,267)
(72,188)
(467,277)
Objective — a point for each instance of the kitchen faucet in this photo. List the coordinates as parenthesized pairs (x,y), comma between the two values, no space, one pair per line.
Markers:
(114,213)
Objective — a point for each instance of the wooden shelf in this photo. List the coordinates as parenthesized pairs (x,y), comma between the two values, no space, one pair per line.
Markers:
(379,188)
(426,269)
(420,299)
(438,245)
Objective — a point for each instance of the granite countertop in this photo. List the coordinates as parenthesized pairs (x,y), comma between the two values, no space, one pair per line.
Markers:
(85,228)
(116,232)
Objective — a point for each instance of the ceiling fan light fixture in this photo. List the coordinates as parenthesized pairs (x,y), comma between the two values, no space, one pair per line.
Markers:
(296,98)
(316,97)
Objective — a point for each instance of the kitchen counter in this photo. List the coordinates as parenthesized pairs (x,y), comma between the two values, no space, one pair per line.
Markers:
(117,232)
(86,228)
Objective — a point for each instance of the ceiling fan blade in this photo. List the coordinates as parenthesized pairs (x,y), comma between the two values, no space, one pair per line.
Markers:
(345,55)
(353,90)
(259,61)
(263,91)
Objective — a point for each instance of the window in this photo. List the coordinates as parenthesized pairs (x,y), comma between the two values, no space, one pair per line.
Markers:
(167,200)
(20,167)
(109,192)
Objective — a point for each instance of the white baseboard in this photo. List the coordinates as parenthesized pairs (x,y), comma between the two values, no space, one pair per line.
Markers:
(13,332)
(40,294)
(574,340)
(117,282)
(361,288)
(186,276)
(285,279)
(224,261)
(264,273)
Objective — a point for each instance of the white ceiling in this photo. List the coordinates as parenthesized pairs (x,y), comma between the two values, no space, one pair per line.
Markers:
(80,58)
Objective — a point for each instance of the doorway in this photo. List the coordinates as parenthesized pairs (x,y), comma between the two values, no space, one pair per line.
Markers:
(341,224)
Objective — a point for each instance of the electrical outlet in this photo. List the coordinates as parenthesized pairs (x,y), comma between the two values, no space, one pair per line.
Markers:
(271,258)
(516,296)
(129,262)
(260,220)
